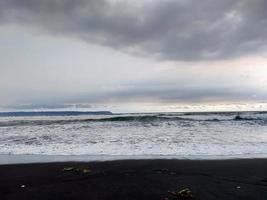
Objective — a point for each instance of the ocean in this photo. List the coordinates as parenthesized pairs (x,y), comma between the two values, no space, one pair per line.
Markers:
(174,135)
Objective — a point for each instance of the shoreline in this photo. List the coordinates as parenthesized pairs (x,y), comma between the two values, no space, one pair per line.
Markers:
(135,179)
(6,159)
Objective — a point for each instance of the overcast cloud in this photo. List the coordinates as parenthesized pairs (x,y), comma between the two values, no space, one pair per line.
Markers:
(59,52)
(169,30)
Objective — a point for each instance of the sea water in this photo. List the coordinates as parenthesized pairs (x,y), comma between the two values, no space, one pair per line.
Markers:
(173,135)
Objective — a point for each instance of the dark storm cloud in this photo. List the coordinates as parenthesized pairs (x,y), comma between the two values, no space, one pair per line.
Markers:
(171,30)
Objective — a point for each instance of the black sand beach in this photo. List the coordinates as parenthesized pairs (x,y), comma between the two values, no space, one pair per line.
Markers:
(136,179)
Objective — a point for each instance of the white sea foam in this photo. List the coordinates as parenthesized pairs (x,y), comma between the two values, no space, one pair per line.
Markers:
(136,135)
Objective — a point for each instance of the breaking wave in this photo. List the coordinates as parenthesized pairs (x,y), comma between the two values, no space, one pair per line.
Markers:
(136,134)
(141,118)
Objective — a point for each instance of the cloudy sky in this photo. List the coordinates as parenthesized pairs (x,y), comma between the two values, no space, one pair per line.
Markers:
(132,54)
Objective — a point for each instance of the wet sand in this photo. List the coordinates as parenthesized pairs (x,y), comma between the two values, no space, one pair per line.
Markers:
(136,179)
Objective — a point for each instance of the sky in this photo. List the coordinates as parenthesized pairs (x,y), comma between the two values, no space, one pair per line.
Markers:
(135,55)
